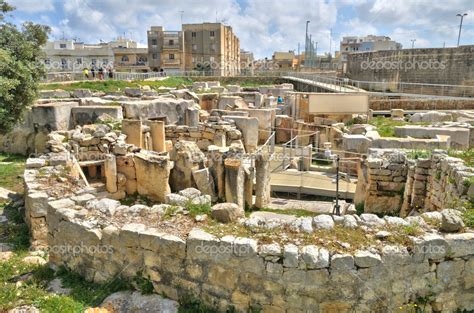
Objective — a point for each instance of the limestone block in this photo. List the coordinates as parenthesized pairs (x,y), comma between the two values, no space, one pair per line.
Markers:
(364,258)
(227,212)
(323,221)
(110,167)
(234,181)
(343,262)
(314,257)
(153,172)
(204,181)
(36,204)
(290,256)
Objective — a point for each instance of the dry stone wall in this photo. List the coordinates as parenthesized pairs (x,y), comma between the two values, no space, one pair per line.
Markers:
(246,274)
(396,184)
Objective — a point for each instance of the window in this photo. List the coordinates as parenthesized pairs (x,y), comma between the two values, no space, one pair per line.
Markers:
(63,63)
(211,59)
(125,58)
(171,42)
(194,59)
(154,42)
(213,47)
(195,47)
(47,61)
(193,34)
(154,56)
(212,33)
(171,56)
(62,46)
(78,61)
(94,61)
(105,61)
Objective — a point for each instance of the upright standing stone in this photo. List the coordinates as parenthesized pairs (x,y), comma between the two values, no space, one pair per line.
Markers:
(205,182)
(192,117)
(234,181)
(248,186)
(262,185)
(157,129)
(153,173)
(133,130)
(217,170)
(110,167)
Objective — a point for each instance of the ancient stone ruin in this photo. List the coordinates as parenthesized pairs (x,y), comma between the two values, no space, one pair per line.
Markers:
(166,185)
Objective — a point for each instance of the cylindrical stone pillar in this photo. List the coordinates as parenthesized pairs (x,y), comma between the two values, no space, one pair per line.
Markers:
(262,184)
(110,168)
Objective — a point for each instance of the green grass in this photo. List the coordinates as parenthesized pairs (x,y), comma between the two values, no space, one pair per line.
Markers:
(117,85)
(386,126)
(295,212)
(32,290)
(11,171)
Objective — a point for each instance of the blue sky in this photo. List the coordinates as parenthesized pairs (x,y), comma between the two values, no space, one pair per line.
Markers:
(263,26)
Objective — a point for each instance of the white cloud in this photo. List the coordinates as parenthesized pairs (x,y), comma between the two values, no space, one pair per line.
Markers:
(32,6)
(263,26)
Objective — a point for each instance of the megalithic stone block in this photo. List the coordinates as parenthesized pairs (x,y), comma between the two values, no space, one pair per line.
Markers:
(234,181)
(248,186)
(157,129)
(133,130)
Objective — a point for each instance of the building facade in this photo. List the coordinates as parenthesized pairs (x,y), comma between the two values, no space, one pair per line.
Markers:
(285,60)
(209,47)
(165,50)
(71,56)
(367,43)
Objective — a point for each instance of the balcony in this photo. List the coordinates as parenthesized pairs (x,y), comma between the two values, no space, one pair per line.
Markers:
(171,61)
(171,47)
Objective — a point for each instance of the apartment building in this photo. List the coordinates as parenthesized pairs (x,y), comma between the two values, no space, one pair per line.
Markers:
(367,43)
(165,50)
(209,47)
(71,56)
(285,60)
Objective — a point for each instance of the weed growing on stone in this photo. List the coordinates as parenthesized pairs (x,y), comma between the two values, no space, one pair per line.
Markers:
(466,155)
(418,154)
(295,212)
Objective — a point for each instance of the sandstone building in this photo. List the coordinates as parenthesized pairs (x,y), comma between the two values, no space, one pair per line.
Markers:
(210,47)
(71,56)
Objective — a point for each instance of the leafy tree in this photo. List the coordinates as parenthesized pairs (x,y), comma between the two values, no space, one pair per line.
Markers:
(20,68)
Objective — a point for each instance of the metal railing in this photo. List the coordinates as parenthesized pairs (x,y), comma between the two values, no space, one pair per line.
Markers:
(335,84)
(387,88)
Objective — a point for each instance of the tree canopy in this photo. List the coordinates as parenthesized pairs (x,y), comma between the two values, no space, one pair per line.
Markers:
(20,67)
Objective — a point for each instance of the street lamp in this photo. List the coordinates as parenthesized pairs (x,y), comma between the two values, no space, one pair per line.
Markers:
(413,43)
(460,25)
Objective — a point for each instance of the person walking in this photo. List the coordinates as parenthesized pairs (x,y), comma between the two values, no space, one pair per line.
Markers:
(85,71)
(101,73)
(93,72)
(111,73)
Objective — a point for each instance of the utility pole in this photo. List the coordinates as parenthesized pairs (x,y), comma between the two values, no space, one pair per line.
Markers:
(306,46)
(460,25)
(337,207)
(330,40)
(413,43)
(181,12)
